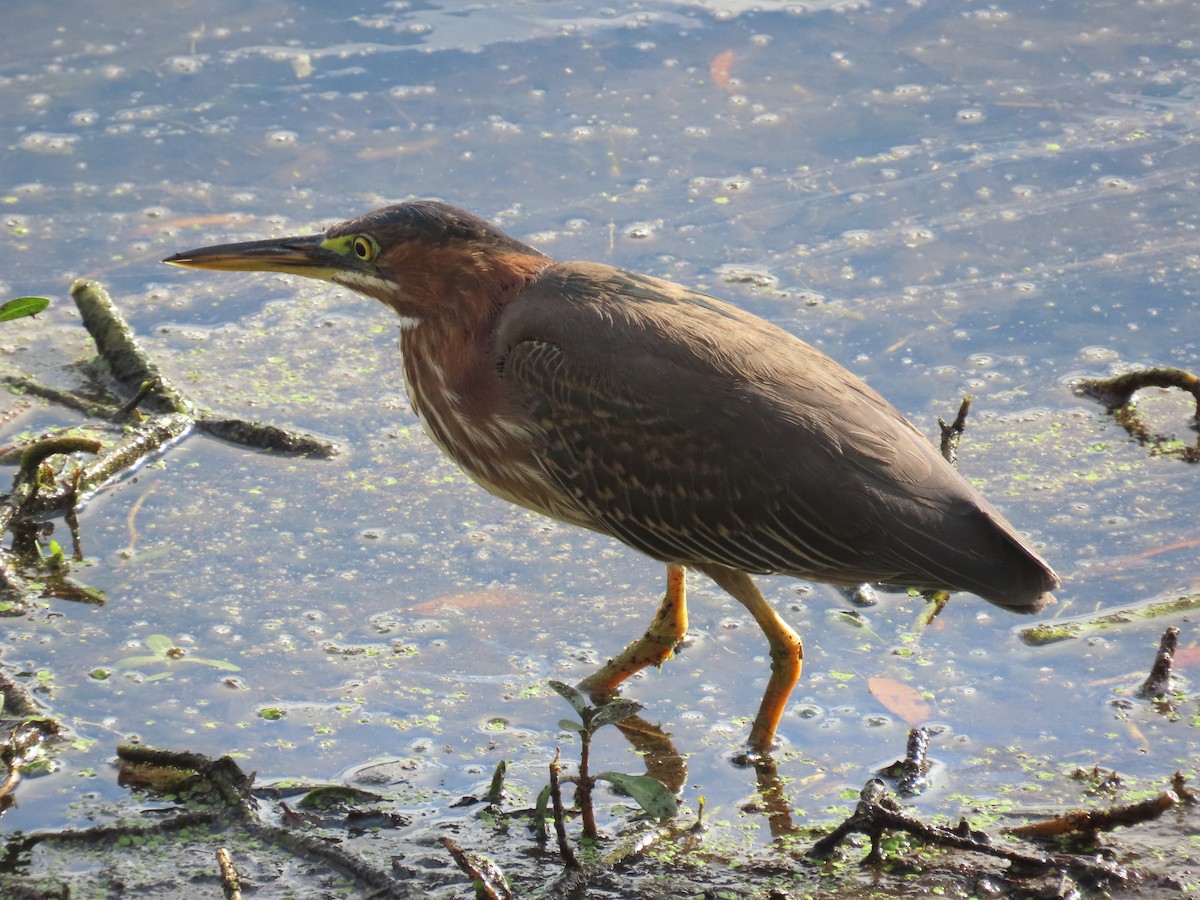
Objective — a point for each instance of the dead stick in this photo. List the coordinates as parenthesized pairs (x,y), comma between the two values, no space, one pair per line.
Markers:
(1087,821)
(952,433)
(1158,682)
(230,883)
(560,816)
(120,349)
(233,785)
(1116,392)
(876,812)
(915,764)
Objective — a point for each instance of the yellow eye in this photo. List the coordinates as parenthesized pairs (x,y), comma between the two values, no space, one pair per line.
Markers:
(364,248)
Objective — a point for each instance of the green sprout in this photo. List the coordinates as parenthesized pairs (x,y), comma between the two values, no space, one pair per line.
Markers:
(166,651)
(649,793)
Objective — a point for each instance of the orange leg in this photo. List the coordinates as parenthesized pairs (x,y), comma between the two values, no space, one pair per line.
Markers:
(787,653)
(654,647)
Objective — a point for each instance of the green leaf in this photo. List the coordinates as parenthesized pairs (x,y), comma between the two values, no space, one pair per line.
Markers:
(616,711)
(215,663)
(571,695)
(22,307)
(130,662)
(543,802)
(649,793)
(158,643)
(496,789)
(570,725)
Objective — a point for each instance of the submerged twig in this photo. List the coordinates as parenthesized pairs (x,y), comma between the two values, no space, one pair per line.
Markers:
(262,436)
(131,450)
(1117,396)
(35,453)
(42,488)
(137,372)
(232,785)
(1117,391)
(144,441)
(1085,823)
(1066,629)
(68,399)
(106,835)
(877,813)
(121,351)
(149,388)
(224,775)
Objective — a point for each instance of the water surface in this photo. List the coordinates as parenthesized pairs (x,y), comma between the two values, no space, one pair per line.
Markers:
(948,198)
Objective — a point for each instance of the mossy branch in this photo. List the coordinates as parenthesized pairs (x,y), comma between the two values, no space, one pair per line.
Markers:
(125,357)
(43,488)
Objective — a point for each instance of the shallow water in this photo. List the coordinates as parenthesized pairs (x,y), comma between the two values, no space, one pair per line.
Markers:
(947,198)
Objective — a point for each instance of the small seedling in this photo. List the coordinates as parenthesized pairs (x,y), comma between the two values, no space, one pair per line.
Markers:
(165,651)
(649,793)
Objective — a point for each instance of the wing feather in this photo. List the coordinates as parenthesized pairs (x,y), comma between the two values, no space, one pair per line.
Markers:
(697,433)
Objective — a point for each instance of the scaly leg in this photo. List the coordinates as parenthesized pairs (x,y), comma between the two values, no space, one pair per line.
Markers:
(787,653)
(654,647)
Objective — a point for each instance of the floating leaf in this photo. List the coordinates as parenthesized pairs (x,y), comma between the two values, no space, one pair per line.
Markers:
(221,664)
(719,69)
(164,650)
(901,699)
(494,598)
(649,793)
(22,307)
(1187,656)
(133,662)
(159,643)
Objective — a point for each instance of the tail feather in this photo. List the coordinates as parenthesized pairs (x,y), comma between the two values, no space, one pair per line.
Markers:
(1005,571)
(977,551)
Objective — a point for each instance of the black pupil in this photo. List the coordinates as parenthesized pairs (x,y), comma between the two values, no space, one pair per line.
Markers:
(360,247)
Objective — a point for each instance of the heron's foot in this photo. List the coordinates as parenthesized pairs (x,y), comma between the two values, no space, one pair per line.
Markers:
(656,646)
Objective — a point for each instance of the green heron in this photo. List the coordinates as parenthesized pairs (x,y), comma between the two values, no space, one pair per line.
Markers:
(692,431)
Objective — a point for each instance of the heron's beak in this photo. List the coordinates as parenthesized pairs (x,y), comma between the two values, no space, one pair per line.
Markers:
(312,256)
